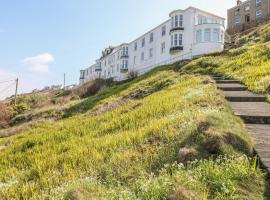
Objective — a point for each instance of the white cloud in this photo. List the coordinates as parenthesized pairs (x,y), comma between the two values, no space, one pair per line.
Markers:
(39,63)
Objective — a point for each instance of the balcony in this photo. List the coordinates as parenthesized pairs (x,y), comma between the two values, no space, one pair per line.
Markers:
(123,70)
(177,29)
(124,56)
(176,49)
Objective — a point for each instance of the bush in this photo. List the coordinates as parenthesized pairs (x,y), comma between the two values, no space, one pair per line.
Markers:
(6,113)
(20,108)
(92,87)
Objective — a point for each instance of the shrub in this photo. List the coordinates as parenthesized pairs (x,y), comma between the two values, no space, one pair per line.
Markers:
(6,114)
(92,87)
(20,108)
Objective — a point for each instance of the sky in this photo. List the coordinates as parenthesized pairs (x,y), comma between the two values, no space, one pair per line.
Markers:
(41,40)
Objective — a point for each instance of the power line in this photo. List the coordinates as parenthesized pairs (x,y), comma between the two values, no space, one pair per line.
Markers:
(2,91)
(7,81)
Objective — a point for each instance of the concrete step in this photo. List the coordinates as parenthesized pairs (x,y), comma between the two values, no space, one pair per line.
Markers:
(227,81)
(258,133)
(252,112)
(243,96)
(231,87)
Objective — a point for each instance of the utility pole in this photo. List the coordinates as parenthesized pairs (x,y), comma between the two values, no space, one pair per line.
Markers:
(64,85)
(16,91)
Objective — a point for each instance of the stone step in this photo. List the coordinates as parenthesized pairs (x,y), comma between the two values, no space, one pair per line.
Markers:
(262,149)
(252,112)
(227,81)
(243,96)
(231,87)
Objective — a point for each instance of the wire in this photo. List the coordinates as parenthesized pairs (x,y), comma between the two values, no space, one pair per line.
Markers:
(7,81)
(6,88)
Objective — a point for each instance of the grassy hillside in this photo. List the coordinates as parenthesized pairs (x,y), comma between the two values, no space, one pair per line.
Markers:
(160,136)
(169,134)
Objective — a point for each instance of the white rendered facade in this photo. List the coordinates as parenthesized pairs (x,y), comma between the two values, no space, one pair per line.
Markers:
(188,33)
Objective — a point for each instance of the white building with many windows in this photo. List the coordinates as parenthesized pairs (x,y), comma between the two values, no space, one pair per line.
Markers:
(188,33)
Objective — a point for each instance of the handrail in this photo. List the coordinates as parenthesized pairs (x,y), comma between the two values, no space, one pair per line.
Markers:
(165,62)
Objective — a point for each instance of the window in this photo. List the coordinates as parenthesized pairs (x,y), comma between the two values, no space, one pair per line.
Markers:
(171,40)
(135,46)
(258,14)
(175,39)
(207,35)
(180,39)
(163,31)
(134,60)
(163,47)
(181,20)
(237,12)
(151,37)
(199,36)
(151,53)
(124,51)
(142,56)
(258,2)
(216,35)
(124,64)
(176,21)
(237,22)
(143,42)
(247,7)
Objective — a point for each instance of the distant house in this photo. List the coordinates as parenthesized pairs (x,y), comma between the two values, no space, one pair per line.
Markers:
(188,33)
(247,14)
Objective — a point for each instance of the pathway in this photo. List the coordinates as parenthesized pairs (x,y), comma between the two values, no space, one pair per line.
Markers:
(255,112)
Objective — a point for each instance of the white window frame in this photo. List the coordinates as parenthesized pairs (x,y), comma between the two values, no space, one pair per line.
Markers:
(181,20)
(247,7)
(258,14)
(237,22)
(258,2)
(207,35)
(199,36)
(143,42)
(151,39)
(142,56)
(216,35)
(135,46)
(175,40)
(163,47)
(151,53)
(163,31)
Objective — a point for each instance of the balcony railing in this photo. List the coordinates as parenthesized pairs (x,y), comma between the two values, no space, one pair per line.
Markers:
(124,56)
(177,29)
(123,70)
(176,49)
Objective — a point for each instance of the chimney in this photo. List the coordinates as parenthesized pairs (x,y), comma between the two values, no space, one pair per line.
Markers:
(239,2)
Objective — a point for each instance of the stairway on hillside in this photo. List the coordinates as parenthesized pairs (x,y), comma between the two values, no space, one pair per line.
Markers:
(255,112)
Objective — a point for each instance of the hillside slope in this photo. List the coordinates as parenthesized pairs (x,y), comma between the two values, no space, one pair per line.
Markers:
(169,134)
(160,136)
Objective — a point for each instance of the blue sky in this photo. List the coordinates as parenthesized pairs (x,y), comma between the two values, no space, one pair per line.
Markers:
(40,40)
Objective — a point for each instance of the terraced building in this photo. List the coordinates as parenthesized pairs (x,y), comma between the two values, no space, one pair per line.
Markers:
(187,33)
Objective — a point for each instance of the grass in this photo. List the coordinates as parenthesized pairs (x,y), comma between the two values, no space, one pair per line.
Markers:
(168,134)
(249,63)
(131,151)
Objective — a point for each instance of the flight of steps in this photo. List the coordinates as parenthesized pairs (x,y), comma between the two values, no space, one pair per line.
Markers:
(255,112)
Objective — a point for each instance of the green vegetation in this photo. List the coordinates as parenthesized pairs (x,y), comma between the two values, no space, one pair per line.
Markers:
(160,136)
(250,63)
(166,135)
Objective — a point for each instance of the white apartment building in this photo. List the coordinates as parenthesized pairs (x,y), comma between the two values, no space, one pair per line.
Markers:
(188,33)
